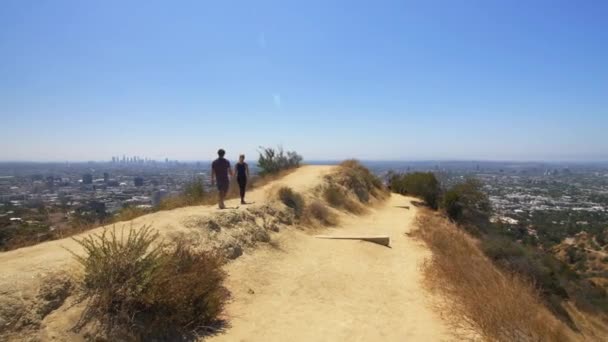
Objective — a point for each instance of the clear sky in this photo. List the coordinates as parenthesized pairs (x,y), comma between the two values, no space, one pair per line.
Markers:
(402,80)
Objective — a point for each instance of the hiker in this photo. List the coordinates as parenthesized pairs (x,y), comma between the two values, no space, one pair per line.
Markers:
(220,169)
(241,170)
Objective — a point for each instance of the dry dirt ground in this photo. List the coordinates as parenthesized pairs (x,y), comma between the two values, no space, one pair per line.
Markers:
(295,288)
(309,289)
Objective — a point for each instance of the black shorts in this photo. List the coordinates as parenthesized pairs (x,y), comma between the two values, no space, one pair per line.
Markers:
(222,186)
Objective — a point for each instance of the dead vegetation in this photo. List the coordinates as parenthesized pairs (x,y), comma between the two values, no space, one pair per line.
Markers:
(500,306)
(352,187)
(137,286)
(318,211)
(338,198)
(293,200)
(126,280)
(361,181)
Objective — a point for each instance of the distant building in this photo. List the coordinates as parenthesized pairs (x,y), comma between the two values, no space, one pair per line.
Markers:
(158,196)
(87,178)
(106,177)
(138,181)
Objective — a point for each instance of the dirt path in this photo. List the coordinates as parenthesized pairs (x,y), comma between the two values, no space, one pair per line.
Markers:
(307,289)
(23,265)
(297,288)
(23,271)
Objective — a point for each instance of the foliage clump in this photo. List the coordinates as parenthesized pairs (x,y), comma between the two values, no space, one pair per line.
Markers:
(420,184)
(293,200)
(272,161)
(140,288)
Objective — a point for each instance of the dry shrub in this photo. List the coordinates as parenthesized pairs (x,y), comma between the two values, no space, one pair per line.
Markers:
(500,306)
(360,180)
(321,213)
(337,197)
(187,291)
(139,288)
(293,200)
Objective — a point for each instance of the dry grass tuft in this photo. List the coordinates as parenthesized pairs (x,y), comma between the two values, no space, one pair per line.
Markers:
(337,197)
(293,200)
(320,212)
(352,187)
(139,288)
(499,306)
(360,180)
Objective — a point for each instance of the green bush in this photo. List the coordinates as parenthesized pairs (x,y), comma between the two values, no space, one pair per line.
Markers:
(420,184)
(139,288)
(273,161)
(293,200)
(549,274)
(452,206)
(194,190)
(466,203)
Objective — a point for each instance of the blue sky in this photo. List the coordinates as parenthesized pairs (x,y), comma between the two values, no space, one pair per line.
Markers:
(402,80)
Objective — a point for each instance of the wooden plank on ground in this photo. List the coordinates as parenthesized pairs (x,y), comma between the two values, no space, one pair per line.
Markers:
(379,239)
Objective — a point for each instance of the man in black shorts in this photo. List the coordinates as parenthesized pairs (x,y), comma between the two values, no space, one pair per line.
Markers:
(220,169)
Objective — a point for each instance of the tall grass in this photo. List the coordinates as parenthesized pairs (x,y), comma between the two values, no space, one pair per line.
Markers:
(337,197)
(500,306)
(321,213)
(140,288)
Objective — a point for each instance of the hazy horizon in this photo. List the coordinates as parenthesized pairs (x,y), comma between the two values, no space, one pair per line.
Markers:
(389,80)
(320,161)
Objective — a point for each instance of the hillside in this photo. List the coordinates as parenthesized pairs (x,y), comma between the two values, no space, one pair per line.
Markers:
(586,256)
(284,282)
(296,285)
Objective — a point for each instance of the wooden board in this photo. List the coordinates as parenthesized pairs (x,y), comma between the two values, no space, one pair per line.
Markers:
(379,239)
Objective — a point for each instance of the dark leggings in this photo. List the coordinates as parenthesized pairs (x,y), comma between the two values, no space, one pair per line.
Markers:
(242,186)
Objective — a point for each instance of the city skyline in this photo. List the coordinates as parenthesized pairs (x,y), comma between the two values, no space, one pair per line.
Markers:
(432,80)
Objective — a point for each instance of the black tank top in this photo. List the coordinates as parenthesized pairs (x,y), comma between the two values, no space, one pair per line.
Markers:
(241,170)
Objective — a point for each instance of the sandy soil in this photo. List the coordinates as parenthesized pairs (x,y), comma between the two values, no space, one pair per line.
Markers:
(297,288)
(308,289)
(25,264)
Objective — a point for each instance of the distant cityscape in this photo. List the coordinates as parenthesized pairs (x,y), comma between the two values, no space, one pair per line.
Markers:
(517,191)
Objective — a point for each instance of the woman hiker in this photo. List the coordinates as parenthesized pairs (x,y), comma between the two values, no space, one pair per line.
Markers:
(241,170)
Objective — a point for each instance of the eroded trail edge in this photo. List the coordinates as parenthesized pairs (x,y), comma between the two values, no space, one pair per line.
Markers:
(306,289)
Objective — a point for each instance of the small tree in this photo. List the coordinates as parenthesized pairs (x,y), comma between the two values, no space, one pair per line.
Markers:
(451,205)
(467,203)
(421,184)
(272,161)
